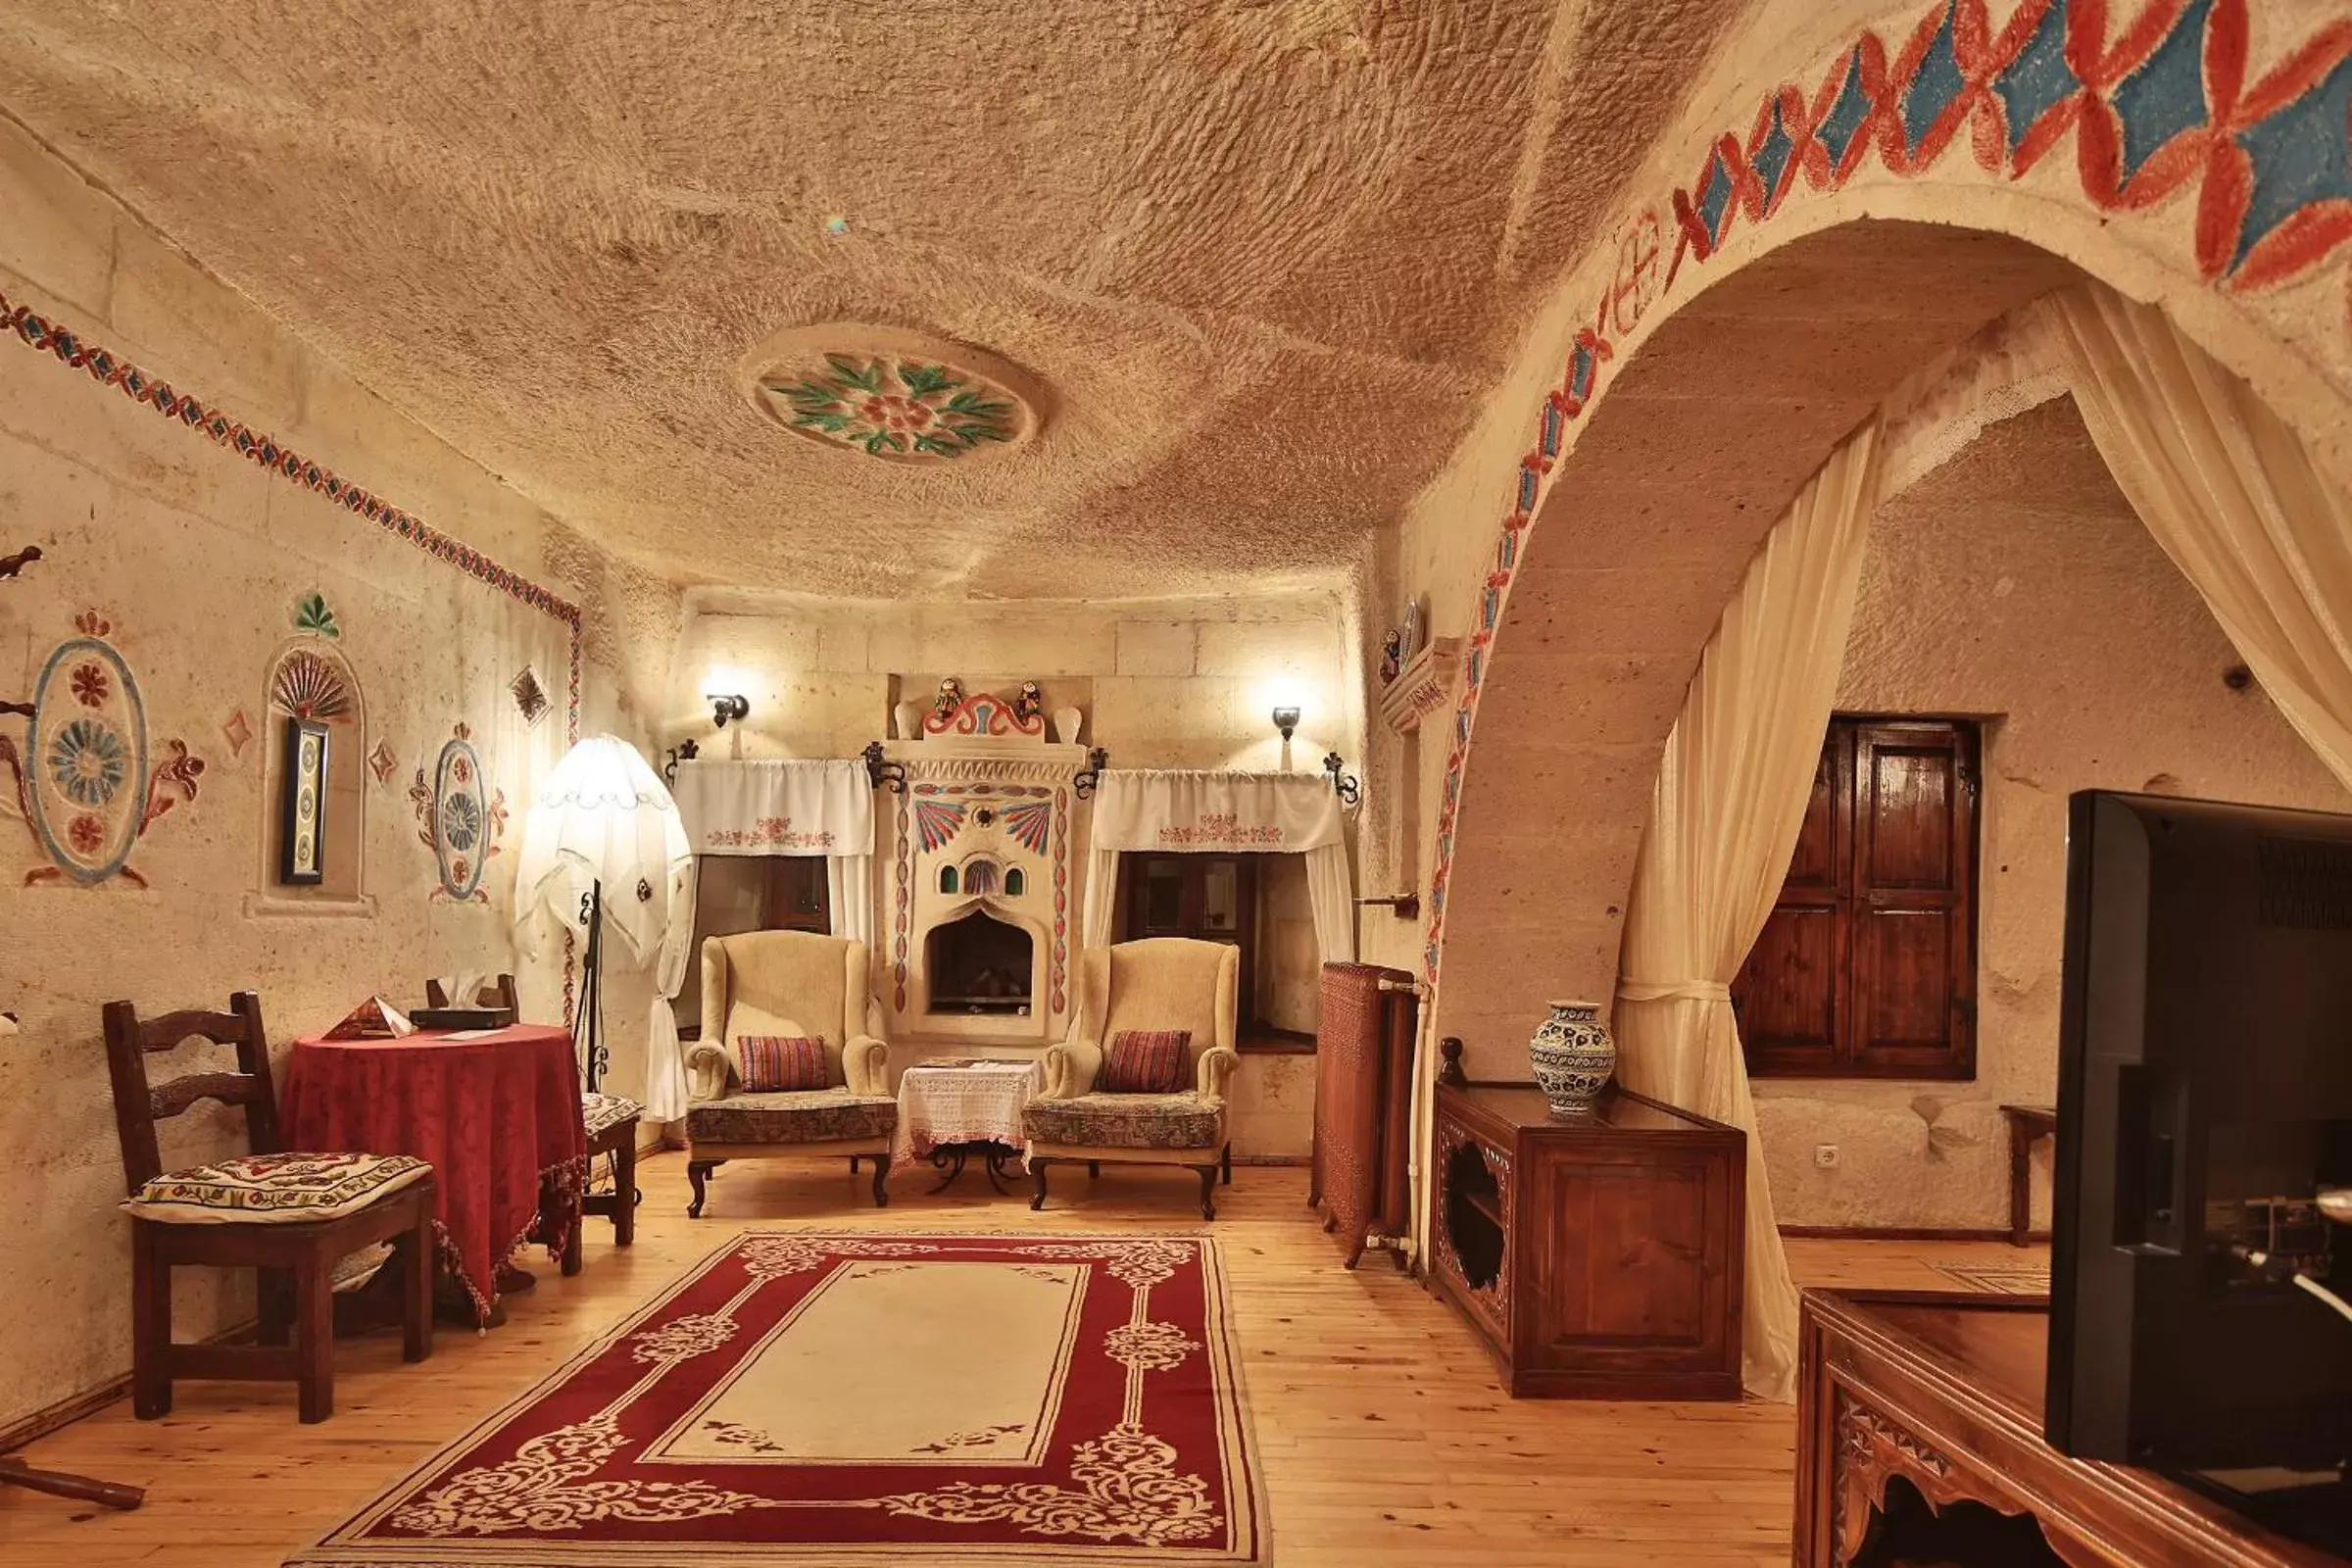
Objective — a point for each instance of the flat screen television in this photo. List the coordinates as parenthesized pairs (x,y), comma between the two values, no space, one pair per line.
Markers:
(2204,1104)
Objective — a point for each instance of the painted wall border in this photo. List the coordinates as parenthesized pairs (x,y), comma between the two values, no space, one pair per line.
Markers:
(2158,108)
(78,352)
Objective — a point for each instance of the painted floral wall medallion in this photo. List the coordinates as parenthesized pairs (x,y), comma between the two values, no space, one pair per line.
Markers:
(891,395)
(460,817)
(87,782)
(303,843)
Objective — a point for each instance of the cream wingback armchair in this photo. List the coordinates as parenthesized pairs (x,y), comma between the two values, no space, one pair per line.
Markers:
(789,983)
(1161,983)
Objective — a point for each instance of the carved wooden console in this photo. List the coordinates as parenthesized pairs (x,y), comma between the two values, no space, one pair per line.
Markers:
(1598,1256)
(1944,1391)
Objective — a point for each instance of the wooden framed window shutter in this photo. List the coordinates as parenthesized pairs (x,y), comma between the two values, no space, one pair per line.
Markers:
(1867,967)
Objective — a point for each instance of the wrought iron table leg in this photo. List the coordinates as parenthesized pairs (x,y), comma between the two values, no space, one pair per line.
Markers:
(942,1157)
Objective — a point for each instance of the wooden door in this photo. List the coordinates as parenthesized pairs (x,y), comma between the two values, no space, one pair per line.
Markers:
(1867,966)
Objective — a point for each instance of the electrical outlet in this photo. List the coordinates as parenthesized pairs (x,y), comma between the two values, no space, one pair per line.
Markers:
(1825,1155)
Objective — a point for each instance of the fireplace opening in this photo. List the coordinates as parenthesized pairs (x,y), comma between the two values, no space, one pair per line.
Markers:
(979,964)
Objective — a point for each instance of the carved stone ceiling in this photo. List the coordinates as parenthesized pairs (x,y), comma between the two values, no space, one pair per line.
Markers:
(1260,258)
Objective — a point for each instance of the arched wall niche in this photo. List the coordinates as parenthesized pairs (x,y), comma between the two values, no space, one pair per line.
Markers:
(313,678)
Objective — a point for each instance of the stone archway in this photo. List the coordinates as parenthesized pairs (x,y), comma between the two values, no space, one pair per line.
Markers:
(1703,435)
(1851,220)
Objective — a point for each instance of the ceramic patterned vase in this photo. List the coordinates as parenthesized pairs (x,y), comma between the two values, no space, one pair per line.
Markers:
(1574,1054)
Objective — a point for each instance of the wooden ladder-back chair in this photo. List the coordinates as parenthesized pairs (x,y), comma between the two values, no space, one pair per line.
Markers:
(610,1122)
(290,1216)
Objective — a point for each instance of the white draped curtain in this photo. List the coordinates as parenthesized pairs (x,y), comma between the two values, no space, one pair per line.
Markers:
(2233,497)
(1723,820)
(1181,810)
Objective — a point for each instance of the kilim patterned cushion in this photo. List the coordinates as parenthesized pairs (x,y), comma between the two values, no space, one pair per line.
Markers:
(773,1063)
(274,1189)
(602,1111)
(1145,1061)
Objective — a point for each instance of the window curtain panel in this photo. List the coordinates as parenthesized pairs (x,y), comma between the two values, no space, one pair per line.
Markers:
(1723,820)
(2233,497)
(1208,811)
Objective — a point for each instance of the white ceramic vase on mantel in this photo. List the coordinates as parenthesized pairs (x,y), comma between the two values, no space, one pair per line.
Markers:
(1574,1055)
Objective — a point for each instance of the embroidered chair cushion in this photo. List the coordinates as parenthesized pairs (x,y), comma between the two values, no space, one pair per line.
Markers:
(266,1189)
(781,1064)
(1189,1120)
(1146,1062)
(807,1116)
(603,1112)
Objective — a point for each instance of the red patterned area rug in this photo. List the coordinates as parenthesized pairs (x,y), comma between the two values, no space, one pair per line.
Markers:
(813,1397)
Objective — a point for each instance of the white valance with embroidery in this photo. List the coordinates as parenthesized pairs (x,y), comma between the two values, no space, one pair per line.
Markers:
(1172,809)
(777,807)
(1262,813)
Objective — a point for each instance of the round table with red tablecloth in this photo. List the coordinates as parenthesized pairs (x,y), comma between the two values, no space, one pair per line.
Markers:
(496,1111)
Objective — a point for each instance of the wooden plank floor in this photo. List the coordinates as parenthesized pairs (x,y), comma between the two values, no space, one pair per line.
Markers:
(1385,1437)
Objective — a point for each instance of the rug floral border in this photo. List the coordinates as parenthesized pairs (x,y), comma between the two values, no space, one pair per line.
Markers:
(1138,1261)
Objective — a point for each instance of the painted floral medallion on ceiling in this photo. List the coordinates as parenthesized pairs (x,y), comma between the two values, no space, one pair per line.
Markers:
(890,395)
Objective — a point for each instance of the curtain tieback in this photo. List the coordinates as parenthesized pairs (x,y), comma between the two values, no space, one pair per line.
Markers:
(1630,990)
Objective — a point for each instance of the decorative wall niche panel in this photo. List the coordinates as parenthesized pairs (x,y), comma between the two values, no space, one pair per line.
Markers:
(313,689)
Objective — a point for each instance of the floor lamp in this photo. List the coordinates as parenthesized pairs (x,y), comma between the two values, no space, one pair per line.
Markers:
(589,1027)
(603,819)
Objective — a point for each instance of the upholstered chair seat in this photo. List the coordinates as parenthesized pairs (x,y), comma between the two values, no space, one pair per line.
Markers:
(1154,986)
(787,985)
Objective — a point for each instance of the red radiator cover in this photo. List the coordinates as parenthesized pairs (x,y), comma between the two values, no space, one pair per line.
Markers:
(1364,1105)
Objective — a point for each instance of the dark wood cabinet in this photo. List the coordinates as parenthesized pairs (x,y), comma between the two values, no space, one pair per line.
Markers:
(1598,1256)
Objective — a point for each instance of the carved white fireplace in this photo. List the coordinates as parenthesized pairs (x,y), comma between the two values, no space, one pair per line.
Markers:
(980,905)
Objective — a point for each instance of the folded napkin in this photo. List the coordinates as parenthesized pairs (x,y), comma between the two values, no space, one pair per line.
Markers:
(372,1019)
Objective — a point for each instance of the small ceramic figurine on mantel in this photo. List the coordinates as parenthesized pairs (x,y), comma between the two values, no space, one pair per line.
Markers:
(950,698)
(1574,1057)
(1029,704)
(1391,657)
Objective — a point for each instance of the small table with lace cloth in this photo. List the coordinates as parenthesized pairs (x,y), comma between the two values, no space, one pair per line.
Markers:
(953,1108)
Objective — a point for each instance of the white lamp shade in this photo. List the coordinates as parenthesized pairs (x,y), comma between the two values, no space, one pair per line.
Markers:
(605,816)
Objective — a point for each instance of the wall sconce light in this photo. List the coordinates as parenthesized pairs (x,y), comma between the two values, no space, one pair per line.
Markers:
(725,708)
(1285,720)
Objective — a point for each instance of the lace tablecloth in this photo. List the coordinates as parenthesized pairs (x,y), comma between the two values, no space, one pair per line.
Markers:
(963,1103)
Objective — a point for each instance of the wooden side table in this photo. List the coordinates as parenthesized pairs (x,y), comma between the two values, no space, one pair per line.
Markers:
(2026,1124)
